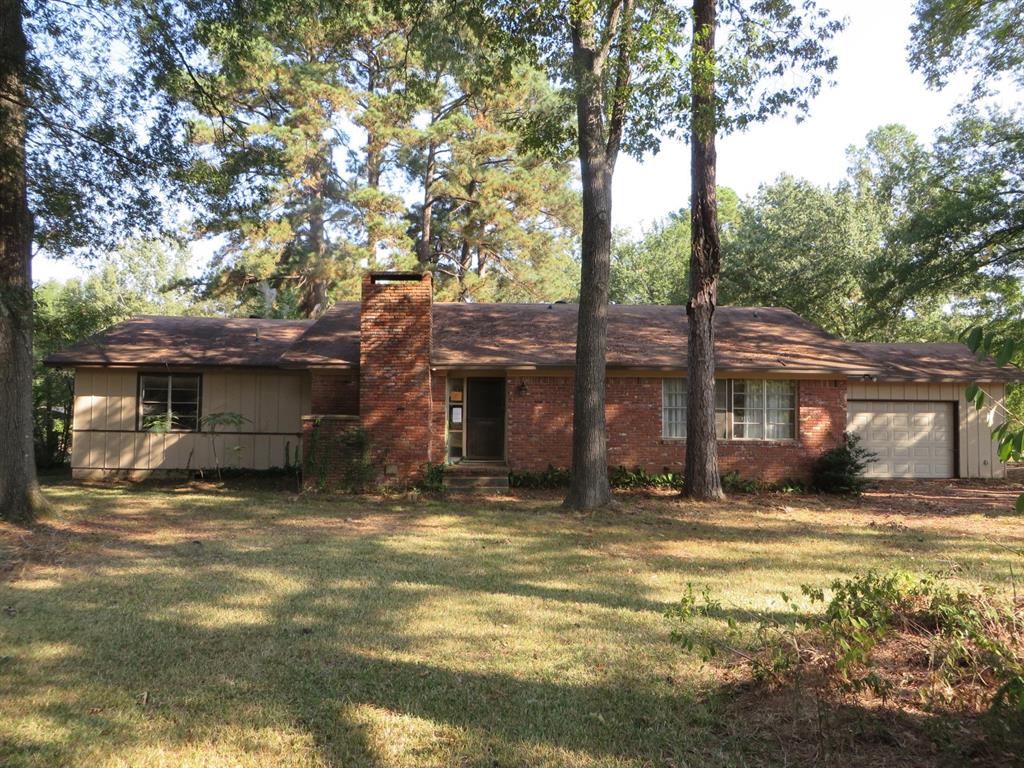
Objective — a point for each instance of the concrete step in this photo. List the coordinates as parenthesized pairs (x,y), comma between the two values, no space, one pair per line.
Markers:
(456,481)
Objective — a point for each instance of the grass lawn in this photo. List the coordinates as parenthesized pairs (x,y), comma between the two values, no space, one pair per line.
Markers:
(221,626)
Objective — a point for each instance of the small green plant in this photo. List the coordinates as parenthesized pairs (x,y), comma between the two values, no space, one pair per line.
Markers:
(841,470)
(733,483)
(772,649)
(209,424)
(159,424)
(433,477)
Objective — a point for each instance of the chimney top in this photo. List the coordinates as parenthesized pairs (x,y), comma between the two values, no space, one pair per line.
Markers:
(377,278)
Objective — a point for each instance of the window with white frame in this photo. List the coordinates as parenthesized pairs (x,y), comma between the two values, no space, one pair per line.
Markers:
(745,409)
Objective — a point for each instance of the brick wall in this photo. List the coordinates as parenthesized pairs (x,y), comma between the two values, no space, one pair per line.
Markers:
(395,402)
(325,459)
(335,392)
(539,424)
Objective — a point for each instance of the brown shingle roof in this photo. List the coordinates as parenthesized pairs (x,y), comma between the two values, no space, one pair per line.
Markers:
(189,341)
(935,362)
(749,339)
(333,340)
(639,336)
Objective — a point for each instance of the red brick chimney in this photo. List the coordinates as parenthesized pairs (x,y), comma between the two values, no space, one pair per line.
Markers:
(394,371)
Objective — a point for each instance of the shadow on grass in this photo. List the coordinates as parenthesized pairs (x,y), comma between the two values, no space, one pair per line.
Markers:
(302,617)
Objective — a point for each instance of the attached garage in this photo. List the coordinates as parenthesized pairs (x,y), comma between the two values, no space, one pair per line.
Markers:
(926,430)
(910,439)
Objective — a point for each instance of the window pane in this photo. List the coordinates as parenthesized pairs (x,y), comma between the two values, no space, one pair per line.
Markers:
(781,410)
(722,409)
(747,409)
(154,389)
(673,407)
(169,401)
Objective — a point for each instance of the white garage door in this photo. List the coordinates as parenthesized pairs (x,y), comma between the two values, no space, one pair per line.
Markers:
(910,439)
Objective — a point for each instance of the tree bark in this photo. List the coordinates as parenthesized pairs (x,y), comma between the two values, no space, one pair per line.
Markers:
(20,497)
(589,488)
(702,480)
(427,213)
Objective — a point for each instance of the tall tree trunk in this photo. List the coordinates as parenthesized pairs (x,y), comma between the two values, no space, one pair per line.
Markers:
(702,480)
(465,256)
(589,488)
(427,214)
(19,490)
(314,295)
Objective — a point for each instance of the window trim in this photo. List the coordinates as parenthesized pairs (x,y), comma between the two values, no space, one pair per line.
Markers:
(729,421)
(170,379)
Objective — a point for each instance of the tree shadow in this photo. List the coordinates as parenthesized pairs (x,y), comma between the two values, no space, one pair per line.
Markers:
(174,624)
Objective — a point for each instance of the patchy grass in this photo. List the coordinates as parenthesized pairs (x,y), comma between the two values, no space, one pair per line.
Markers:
(220,626)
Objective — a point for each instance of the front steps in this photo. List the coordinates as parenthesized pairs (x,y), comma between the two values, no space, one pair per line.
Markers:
(476,477)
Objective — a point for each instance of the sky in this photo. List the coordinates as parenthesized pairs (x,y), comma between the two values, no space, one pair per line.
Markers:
(874,86)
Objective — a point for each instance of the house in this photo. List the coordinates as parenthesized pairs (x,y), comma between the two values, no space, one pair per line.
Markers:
(451,383)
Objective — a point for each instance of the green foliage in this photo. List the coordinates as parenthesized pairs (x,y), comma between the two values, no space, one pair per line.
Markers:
(694,630)
(953,36)
(840,470)
(102,149)
(987,341)
(502,217)
(618,477)
(550,478)
(433,477)
(964,233)
(732,482)
(638,477)
(315,127)
(654,268)
(971,637)
(974,636)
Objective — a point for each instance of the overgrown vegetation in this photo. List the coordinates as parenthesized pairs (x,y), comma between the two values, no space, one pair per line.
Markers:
(342,461)
(841,470)
(907,642)
(621,477)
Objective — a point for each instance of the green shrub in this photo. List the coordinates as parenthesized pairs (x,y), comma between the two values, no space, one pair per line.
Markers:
(618,477)
(840,470)
(638,477)
(550,478)
(733,483)
(973,640)
(433,477)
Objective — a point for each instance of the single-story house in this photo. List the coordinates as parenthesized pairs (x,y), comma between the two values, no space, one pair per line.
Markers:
(461,383)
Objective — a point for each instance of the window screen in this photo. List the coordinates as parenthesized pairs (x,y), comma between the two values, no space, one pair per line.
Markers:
(169,402)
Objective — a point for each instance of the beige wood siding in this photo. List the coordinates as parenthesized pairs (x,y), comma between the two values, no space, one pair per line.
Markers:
(976,454)
(106,404)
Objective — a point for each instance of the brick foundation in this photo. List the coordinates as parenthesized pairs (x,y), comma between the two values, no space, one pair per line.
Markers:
(539,428)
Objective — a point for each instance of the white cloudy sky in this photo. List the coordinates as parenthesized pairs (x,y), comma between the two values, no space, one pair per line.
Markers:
(874,86)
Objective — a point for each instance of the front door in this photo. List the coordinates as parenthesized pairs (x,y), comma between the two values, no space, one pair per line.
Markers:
(485,419)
